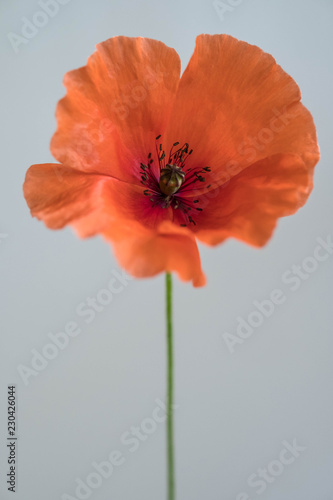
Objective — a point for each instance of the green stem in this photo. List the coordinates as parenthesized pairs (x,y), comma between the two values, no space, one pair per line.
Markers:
(170,449)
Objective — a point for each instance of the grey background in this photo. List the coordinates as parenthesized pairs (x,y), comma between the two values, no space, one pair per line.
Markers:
(235,410)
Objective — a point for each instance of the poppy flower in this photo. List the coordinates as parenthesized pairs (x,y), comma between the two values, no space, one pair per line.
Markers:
(155,162)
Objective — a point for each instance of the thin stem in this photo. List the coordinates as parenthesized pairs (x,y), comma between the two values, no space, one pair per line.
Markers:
(170,448)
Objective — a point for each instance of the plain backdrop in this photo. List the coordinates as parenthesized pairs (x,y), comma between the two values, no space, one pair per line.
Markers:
(236,411)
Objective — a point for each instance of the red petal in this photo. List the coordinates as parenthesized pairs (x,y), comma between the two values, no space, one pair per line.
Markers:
(236,106)
(115,106)
(143,252)
(249,205)
(60,196)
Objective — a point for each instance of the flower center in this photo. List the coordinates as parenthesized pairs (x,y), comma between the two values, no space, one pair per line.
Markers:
(174,181)
(171,178)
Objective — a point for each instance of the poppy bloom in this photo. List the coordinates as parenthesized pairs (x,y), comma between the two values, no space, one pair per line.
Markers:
(154,161)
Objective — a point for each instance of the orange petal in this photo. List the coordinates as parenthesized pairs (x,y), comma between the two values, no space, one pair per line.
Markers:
(249,205)
(236,106)
(144,253)
(94,204)
(115,107)
(59,196)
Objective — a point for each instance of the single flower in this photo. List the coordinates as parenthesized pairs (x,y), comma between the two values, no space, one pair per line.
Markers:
(154,161)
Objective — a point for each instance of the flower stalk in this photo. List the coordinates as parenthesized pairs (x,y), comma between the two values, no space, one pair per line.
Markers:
(170,390)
